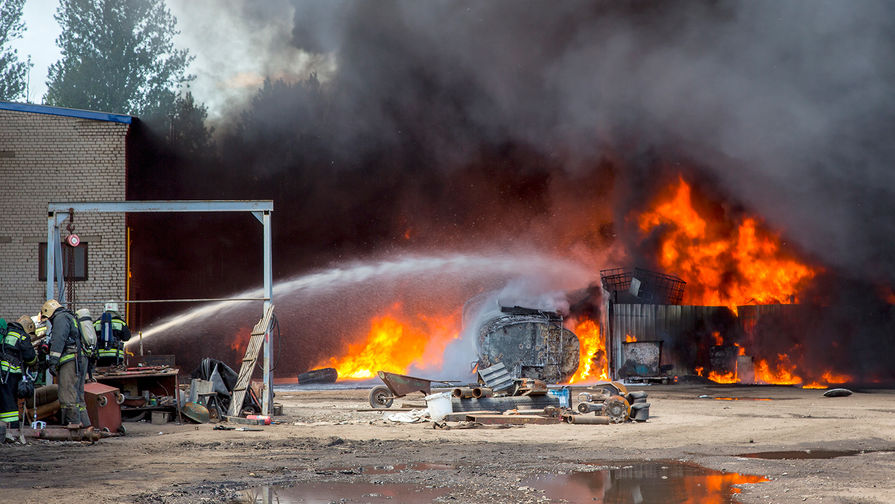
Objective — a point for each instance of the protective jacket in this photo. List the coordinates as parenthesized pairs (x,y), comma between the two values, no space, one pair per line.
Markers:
(65,338)
(111,332)
(17,352)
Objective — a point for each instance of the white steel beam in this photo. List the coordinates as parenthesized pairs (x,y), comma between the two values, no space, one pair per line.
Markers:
(57,212)
(163,206)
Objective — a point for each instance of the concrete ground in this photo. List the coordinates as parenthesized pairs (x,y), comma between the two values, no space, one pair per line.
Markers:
(323,442)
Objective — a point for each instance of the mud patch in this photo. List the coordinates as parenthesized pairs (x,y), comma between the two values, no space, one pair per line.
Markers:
(327,492)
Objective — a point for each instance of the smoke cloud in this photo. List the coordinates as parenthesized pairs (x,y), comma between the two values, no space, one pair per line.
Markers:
(389,126)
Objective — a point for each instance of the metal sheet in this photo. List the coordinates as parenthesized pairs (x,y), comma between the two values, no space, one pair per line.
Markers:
(496,377)
(673,325)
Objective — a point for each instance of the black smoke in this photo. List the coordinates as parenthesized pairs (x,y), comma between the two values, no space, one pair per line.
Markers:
(451,124)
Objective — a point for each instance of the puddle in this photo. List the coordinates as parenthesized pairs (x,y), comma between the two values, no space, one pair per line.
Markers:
(387,469)
(644,483)
(325,493)
(803,454)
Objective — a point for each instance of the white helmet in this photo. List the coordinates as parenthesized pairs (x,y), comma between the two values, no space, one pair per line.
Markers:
(111,306)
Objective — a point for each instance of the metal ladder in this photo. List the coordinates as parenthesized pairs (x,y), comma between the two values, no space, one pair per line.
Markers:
(256,342)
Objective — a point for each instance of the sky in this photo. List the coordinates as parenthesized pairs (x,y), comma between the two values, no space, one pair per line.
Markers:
(39,42)
(226,48)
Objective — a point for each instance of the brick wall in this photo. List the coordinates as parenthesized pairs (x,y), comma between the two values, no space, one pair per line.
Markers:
(47,158)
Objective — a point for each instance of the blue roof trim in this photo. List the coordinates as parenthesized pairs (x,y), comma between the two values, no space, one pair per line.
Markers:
(67,112)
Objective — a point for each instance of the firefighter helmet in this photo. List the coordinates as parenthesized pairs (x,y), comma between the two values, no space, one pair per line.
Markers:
(28,324)
(111,306)
(49,308)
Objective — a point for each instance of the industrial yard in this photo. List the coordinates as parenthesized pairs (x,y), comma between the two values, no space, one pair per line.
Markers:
(328,439)
(390,251)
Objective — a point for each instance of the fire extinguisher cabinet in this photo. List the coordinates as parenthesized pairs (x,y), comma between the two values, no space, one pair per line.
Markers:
(103,406)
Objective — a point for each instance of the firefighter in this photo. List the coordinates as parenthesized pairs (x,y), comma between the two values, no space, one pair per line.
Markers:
(67,362)
(111,333)
(16,355)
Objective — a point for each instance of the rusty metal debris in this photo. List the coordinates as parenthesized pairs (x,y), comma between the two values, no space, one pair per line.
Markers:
(398,385)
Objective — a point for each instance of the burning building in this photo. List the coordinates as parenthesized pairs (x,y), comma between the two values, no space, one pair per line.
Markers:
(612,134)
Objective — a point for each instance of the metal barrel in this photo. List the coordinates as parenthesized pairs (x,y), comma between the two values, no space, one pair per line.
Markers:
(464,392)
(479,392)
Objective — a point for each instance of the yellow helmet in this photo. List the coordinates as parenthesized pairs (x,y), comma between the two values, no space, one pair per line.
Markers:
(49,308)
(27,323)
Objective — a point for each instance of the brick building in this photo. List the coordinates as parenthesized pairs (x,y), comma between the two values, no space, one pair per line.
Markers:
(57,154)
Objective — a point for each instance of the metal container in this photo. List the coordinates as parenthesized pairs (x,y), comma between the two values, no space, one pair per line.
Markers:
(102,407)
(641,358)
(531,344)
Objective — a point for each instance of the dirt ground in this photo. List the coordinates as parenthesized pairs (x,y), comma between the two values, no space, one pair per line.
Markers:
(322,438)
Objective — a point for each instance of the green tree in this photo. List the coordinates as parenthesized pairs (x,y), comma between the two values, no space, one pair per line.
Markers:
(117,56)
(12,71)
(187,133)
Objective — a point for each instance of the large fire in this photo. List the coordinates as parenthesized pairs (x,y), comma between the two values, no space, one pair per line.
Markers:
(729,262)
(727,259)
(592,363)
(395,342)
(726,262)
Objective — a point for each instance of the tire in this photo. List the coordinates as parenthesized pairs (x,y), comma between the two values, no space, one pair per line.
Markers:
(381,397)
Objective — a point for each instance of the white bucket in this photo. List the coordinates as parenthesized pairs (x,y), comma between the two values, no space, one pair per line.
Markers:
(439,405)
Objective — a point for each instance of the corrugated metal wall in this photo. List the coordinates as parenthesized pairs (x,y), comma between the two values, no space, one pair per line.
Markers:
(671,324)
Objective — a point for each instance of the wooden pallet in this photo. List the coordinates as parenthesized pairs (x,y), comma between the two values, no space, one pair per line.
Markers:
(256,342)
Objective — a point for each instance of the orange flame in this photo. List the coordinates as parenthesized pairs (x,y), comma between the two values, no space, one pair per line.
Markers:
(712,488)
(630,338)
(395,342)
(241,341)
(592,363)
(725,264)
(782,374)
(727,261)
(730,377)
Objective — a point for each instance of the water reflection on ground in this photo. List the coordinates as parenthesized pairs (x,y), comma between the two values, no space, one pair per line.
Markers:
(644,483)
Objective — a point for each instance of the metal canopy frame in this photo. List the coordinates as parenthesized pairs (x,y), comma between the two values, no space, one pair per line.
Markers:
(58,212)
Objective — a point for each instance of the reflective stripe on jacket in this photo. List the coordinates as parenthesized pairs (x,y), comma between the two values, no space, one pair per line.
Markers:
(110,353)
(17,351)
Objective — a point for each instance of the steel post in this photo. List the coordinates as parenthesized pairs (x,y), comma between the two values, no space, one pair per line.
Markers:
(268,338)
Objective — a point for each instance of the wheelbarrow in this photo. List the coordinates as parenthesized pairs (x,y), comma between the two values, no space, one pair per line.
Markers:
(397,385)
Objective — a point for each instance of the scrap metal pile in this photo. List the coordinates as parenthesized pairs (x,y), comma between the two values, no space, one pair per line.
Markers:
(499,398)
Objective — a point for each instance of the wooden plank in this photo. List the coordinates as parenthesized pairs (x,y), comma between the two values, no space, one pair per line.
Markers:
(514,419)
(465,416)
(256,341)
(244,421)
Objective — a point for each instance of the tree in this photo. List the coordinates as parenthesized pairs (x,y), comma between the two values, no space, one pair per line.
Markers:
(187,133)
(12,71)
(117,56)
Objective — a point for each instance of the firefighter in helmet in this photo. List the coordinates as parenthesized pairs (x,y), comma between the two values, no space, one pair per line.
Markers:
(16,355)
(111,333)
(67,362)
